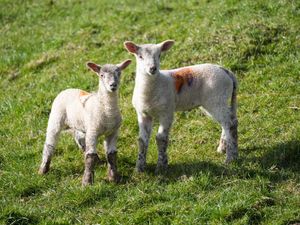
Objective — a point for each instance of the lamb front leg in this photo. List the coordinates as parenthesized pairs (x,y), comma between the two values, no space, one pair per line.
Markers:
(89,166)
(111,155)
(162,141)
(90,158)
(145,126)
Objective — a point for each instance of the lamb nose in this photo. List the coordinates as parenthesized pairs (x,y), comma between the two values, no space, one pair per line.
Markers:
(113,85)
(152,69)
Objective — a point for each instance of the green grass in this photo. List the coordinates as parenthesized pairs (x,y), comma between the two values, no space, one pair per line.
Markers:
(43,49)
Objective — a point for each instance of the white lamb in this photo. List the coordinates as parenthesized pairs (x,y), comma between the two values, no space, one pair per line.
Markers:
(88,115)
(159,93)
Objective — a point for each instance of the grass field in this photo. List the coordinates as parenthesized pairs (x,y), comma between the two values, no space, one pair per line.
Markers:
(44,46)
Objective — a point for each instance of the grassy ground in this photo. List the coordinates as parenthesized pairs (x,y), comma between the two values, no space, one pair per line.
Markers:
(43,49)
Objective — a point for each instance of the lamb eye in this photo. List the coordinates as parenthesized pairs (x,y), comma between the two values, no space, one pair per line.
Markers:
(141,57)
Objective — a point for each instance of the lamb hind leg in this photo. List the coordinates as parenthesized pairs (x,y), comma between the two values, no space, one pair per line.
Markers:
(234,134)
(47,155)
(79,138)
(145,127)
(231,145)
(54,128)
(222,143)
(231,142)
(222,148)
(230,126)
(228,140)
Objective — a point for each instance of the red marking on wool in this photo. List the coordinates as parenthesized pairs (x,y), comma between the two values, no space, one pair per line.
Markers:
(83,93)
(182,77)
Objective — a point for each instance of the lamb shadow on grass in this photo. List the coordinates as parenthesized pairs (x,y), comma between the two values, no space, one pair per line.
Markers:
(278,163)
(284,156)
(177,172)
(15,217)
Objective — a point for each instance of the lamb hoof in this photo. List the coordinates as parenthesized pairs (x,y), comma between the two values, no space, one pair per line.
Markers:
(140,168)
(222,147)
(161,169)
(113,177)
(88,179)
(44,168)
(221,150)
(231,158)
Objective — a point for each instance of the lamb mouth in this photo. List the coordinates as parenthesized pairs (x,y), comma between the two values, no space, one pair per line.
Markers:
(152,74)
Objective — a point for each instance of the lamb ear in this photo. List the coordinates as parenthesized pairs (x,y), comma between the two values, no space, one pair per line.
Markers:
(94,67)
(124,64)
(131,47)
(166,45)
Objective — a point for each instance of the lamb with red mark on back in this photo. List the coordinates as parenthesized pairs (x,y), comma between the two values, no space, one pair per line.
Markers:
(159,93)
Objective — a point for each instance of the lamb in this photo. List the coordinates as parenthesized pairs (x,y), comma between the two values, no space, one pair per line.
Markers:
(88,115)
(159,93)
